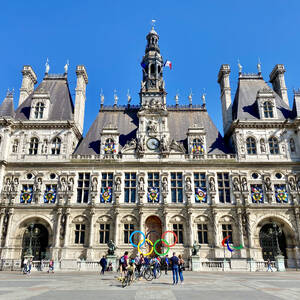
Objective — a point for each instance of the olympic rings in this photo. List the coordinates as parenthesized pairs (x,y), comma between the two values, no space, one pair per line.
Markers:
(227,243)
(161,254)
(150,243)
(130,239)
(146,254)
(176,238)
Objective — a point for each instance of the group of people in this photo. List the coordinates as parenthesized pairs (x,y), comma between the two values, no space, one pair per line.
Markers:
(27,265)
(128,265)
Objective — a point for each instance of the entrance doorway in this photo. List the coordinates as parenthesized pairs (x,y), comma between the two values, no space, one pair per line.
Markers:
(269,242)
(38,234)
(153,228)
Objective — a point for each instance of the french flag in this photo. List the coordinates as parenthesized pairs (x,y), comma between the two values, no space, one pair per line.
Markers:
(168,64)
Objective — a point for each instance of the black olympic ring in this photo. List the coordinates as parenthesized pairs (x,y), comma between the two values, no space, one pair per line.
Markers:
(149,233)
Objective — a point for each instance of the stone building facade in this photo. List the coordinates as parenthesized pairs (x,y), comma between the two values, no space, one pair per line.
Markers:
(151,167)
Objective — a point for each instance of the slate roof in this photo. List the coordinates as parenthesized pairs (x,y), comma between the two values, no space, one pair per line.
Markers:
(245,105)
(126,120)
(7,107)
(61,107)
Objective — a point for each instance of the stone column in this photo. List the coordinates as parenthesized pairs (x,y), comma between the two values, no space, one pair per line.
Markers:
(240,227)
(116,232)
(2,215)
(249,230)
(215,229)
(141,220)
(166,219)
(297,219)
(67,229)
(91,233)
(190,229)
(57,229)
(7,237)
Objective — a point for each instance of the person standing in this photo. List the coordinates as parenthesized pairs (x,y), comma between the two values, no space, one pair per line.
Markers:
(51,266)
(25,262)
(123,263)
(174,261)
(166,264)
(29,265)
(180,267)
(103,264)
(269,265)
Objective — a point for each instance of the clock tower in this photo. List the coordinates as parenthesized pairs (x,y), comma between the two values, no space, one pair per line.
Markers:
(153,133)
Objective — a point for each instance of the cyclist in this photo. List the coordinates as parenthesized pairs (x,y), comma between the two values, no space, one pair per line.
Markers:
(155,263)
(123,263)
(130,269)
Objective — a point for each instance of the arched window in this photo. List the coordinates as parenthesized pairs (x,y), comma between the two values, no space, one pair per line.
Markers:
(39,110)
(33,146)
(251,145)
(197,147)
(152,69)
(292,145)
(15,146)
(109,147)
(268,110)
(56,144)
(273,145)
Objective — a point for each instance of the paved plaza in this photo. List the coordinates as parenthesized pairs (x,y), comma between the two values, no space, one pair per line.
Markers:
(87,286)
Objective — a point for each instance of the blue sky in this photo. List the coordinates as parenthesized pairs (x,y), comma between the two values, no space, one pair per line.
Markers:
(108,37)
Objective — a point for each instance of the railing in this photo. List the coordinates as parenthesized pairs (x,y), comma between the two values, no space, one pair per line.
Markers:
(212,265)
(88,266)
(263,266)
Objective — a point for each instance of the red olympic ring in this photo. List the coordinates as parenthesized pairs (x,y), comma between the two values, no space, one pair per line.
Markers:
(176,239)
(223,242)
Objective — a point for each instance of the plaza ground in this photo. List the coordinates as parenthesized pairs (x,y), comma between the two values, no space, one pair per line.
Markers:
(217,285)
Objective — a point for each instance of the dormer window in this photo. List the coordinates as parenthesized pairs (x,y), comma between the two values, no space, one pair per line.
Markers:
(197,147)
(251,145)
(56,144)
(33,146)
(268,109)
(109,147)
(273,145)
(39,110)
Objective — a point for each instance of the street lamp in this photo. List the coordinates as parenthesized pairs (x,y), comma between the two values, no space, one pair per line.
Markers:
(277,232)
(30,231)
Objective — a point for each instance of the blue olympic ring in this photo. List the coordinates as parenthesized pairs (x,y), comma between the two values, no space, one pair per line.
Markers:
(130,239)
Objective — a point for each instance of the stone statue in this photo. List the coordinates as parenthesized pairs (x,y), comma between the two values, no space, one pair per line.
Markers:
(38,185)
(95,184)
(164,143)
(244,184)
(236,184)
(15,185)
(195,249)
(262,146)
(141,184)
(111,247)
(129,145)
(212,184)
(176,146)
(45,147)
(141,144)
(63,185)
(188,184)
(165,185)
(292,184)
(152,126)
(7,186)
(268,184)
(71,184)
(118,184)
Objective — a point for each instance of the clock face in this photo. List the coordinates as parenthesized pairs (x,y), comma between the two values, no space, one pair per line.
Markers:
(153,143)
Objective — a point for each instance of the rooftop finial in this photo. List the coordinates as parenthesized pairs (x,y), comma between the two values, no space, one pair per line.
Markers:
(66,67)
(10,93)
(47,66)
(153,23)
(240,67)
(128,97)
(203,98)
(259,67)
(176,99)
(115,98)
(190,98)
(102,98)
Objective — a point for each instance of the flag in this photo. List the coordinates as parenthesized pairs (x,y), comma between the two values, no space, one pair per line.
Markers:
(168,64)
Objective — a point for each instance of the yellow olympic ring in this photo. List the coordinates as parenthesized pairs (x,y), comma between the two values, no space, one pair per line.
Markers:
(149,253)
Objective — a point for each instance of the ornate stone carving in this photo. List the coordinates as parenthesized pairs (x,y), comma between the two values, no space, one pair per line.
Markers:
(164,144)
(37,187)
(152,127)
(236,184)
(292,184)
(176,146)
(165,185)
(262,146)
(130,145)
(118,184)
(141,185)
(188,184)
(141,144)
(71,184)
(212,185)
(62,185)
(95,184)
(268,184)
(244,184)
(7,188)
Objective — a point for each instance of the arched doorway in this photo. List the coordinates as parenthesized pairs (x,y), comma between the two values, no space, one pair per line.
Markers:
(153,228)
(271,236)
(39,236)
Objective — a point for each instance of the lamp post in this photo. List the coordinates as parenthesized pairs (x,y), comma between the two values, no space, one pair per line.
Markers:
(277,232)
(29,251)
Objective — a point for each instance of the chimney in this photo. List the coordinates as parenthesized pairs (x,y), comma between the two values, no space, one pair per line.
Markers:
(80,97)
(28,82)
(278,82)
(296,105)
(223,80)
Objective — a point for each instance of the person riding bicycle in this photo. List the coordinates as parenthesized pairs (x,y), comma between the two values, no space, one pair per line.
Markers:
(131,269)
(155,263)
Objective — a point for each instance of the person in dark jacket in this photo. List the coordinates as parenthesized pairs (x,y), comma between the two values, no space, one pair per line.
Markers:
(174,261)
(103,264)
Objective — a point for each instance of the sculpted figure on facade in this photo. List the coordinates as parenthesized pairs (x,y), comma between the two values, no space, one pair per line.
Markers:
(262,146)
(37,187)
(141,184)
(292,184)
(15,185)
(164,144)
(268,184)
(118,184)
(131,145)
(152,126)
(244,184)
(45,147)
(7,188)
(188,184)
(63,185)
(212,185)
(71,185)
(141,144)
(236,184)
(95,184)
(165,185)
(176,146)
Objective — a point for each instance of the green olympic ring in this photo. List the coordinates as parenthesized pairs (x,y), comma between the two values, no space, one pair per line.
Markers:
(161,254)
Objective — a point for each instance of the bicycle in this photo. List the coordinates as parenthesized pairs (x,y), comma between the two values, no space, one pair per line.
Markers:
(149,274)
